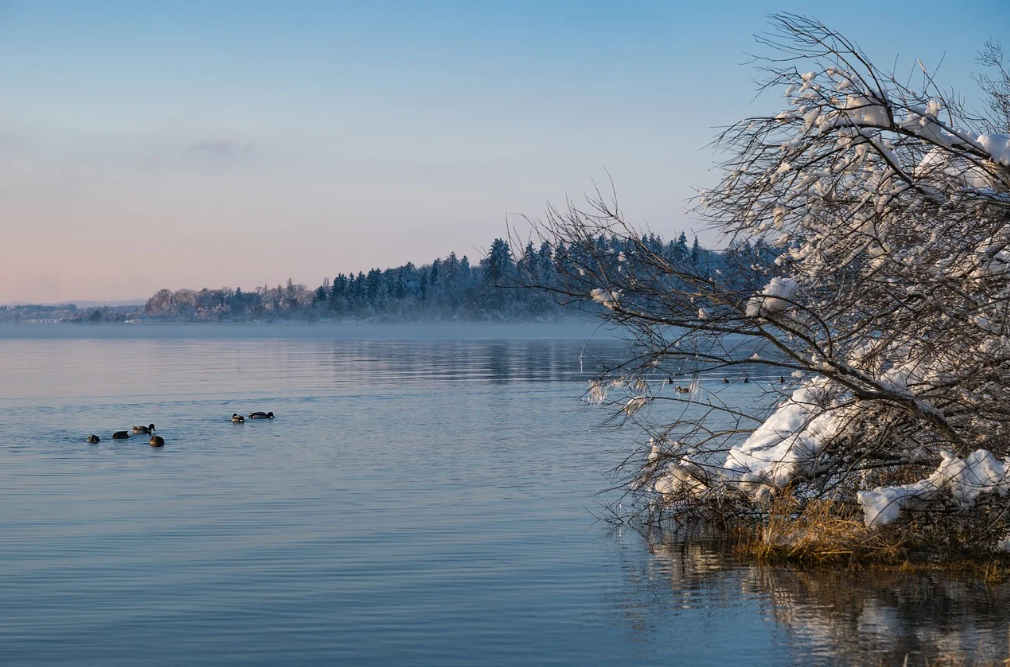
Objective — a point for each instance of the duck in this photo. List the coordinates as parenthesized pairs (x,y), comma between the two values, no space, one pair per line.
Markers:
(683,390)
(157,441)
(782,379)
(725,380)
(120,435)
(144,429)
(237,418)
(94,439)
(261,415)
(746,379)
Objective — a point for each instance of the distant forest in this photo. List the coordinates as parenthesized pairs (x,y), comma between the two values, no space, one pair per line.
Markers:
(447,289)
(30,313)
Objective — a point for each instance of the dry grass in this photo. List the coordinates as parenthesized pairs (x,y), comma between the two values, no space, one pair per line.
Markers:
(991,571)
(961,662)
(823,532)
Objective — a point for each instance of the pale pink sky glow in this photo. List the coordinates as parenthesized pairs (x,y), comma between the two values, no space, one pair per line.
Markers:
(147,146)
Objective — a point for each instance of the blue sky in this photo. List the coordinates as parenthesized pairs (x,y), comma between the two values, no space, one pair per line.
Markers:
(190,144)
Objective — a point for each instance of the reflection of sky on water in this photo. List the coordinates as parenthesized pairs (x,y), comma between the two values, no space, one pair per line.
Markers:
(416,501)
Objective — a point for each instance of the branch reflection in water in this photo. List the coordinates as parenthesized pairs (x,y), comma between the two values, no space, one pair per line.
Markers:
(834,615)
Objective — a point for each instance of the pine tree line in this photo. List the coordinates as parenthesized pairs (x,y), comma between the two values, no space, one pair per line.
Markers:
(447,289)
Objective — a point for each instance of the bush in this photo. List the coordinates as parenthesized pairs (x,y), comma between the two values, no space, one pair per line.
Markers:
(887,310)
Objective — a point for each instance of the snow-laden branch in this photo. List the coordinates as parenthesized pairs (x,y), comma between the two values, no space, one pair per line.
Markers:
(884,210)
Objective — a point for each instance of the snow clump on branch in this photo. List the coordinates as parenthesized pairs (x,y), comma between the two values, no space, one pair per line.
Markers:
(887,208)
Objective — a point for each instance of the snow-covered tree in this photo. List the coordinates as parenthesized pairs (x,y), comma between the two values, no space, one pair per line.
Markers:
(882,328)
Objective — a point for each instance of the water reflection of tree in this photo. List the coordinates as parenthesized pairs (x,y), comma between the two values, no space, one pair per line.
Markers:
(496,361)
(852,617)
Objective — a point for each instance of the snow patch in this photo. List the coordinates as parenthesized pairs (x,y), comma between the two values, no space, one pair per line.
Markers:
(607,297)
(997,146)
(964,479)
(864,110)
(787,445)
(634,404)
(939,163)
(773,297)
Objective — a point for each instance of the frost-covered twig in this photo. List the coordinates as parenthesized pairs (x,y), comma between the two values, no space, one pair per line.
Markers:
(887,210)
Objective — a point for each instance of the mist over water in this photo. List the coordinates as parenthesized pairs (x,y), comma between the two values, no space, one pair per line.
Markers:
(577,331)
(420,499)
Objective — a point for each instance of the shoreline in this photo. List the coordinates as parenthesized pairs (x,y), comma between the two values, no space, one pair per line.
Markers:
(314,330)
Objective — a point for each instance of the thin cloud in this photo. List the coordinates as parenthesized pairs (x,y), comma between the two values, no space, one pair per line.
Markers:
(222,148)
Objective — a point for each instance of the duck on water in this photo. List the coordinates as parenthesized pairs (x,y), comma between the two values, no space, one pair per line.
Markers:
(144,429)
(261,415)
(156,440)
(237,418)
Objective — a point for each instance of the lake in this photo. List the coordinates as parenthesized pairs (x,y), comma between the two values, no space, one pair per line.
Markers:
(425,496)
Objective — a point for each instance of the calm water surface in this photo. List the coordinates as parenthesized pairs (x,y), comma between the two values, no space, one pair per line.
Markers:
(416,501)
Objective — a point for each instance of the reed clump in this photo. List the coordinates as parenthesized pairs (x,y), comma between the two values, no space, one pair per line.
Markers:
(821,532)
(825,532)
